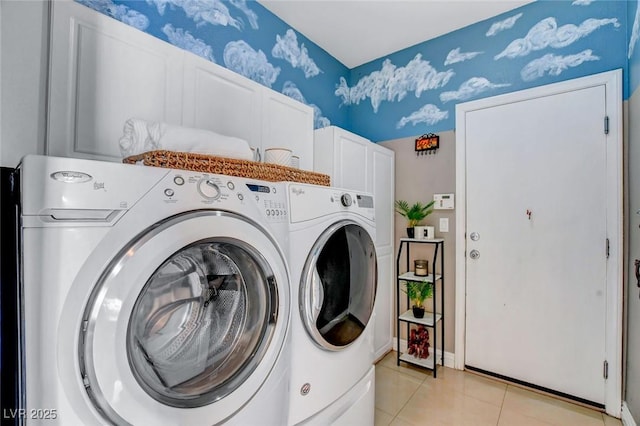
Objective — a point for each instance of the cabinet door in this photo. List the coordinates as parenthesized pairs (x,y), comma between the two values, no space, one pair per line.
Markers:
(383,308)
(220,100)
(104,72)
(352,162)
(383,187)
(287,123)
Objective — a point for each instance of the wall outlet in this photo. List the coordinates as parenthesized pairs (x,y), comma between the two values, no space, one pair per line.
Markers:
(444,224)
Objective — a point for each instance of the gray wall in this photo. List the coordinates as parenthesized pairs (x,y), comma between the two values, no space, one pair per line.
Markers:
(23,71)
(417,179)
(632,336)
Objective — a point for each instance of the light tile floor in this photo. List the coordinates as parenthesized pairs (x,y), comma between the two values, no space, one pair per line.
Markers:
(407,395)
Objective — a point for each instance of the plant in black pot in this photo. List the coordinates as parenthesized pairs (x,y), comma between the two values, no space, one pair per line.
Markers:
(414,213)
(418,292)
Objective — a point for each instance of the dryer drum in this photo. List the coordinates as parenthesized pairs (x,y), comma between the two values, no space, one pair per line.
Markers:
(339,277)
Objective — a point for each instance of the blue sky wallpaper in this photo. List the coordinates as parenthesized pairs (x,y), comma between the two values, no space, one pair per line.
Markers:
(412,91)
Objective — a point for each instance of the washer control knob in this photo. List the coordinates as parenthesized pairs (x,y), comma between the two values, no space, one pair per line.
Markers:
(178,180)
(208,189)
(168,192)
(346,200)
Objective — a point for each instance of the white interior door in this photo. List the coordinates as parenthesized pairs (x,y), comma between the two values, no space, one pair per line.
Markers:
(536,216)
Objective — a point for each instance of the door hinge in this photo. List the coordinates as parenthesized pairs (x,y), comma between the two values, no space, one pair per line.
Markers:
(607,248)
(605,370)
(606,125)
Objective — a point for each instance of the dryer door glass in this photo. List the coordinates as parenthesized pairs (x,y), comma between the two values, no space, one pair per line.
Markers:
(198,327)
(338,286)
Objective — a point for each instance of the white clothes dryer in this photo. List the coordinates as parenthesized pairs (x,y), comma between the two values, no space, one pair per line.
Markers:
(334,280)
(152,296)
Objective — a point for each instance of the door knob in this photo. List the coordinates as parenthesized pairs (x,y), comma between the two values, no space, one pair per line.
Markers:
(474,254)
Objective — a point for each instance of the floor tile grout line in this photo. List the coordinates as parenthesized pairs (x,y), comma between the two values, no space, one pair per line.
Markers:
(408,399)
(502,404)
(399,371)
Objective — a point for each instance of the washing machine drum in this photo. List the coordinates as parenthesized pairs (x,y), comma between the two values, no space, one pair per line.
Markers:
(193,329)
(178,321)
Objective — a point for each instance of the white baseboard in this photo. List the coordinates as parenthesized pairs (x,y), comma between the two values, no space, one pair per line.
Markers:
(627,418)
(448,356)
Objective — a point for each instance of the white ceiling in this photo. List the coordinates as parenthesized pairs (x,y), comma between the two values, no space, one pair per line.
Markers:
(358,31)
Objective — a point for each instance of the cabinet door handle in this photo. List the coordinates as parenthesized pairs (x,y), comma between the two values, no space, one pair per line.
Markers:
(637,264)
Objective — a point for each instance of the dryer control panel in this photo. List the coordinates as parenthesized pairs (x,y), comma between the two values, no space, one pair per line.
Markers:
(308,202)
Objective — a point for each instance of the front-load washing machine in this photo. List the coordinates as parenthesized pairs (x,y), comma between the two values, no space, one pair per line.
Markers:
(334,279)
(152,296)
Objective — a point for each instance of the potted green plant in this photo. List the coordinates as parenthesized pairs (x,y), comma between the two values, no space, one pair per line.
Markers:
(414,214)
(418,292)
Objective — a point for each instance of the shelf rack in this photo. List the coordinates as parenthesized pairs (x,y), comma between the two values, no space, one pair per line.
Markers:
(430,319)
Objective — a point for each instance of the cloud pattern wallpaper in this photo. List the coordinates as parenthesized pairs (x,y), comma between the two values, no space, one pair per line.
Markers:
(415,90)
(409,92)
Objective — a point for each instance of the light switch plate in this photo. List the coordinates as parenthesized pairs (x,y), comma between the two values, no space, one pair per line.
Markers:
(444,224)
(443,201)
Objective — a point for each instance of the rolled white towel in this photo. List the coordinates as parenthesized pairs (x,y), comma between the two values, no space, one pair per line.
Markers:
(135,138)
(141,136)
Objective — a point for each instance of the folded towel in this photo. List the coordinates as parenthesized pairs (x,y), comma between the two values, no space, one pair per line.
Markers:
(141,136)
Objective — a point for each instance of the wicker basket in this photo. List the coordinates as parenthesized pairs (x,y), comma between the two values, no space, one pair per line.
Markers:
(227,166)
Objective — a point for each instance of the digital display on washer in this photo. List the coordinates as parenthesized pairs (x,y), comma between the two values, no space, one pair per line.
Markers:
(258,188)
(365,201)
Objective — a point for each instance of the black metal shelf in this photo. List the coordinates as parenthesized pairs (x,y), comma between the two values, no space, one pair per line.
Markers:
(430,319)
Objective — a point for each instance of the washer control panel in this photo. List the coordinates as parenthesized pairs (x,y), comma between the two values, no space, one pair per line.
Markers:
(270,201)
(201,187)
(208,188)
(231,192)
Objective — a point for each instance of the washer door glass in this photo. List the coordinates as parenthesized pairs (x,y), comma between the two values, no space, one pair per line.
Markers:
(338,285)
(198,323)
(192,313)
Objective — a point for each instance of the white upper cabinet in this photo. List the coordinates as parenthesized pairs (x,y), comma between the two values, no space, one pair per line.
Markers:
(383,188)
(354,162)
(287,123)
(102,73)
(344,156)
(222,101)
